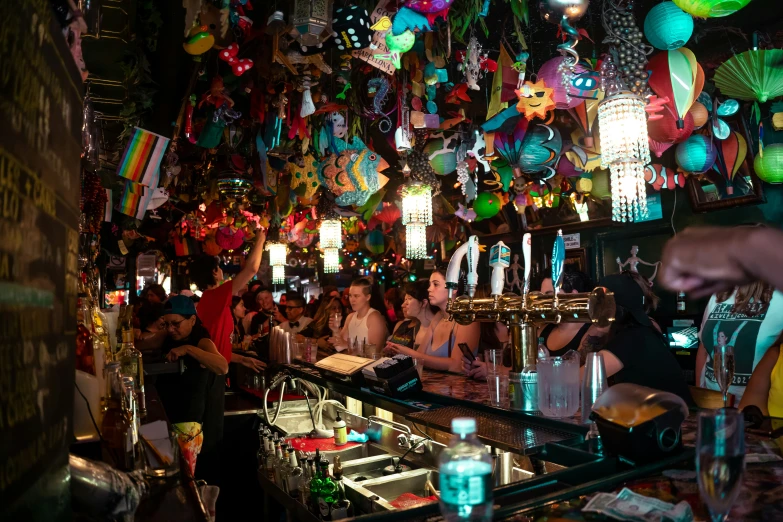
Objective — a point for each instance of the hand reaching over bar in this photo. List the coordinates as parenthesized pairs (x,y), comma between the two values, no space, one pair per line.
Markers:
(705,260)
(398,348)
(250,362)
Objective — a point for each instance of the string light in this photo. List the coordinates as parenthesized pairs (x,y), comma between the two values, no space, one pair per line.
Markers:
(416,216)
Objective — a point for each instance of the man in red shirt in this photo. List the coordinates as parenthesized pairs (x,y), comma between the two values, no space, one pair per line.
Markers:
(214,311)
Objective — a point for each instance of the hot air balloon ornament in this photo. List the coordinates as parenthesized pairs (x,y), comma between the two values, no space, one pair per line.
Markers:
(584,115)
(509,146)
(540,149)
(676,75)
(731,154)
(720,129)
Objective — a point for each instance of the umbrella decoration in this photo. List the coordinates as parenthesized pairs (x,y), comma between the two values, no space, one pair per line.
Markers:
(752,75)
(584,114)
(509,146)
(677,76)
(711,8)
(731,154)
(720,129)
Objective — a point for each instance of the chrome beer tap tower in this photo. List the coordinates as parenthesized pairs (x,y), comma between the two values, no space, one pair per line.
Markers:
(524,314)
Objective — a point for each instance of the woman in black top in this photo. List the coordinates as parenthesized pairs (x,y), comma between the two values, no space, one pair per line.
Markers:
(632,349)
(560,338)
(417,312)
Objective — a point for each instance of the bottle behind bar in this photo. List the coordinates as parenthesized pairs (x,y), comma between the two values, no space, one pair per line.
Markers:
(116,426)
(315,488)
(680,302)
(307,476)
(132,366)
(280,452)
(342,506)
(134,454)
(293,474)
(271,462)
(326,494)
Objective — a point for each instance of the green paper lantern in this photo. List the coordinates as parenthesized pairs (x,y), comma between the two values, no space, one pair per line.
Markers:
(487,205)
(711,8)
(770,167)
(601,189)
(667,27)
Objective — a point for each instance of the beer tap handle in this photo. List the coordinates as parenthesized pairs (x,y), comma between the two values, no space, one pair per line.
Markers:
(473,258)
(526,255)
(499,260)
(452,272)
(558,260)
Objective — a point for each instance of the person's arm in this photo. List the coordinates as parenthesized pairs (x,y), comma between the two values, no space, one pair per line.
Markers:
(611,362)
(248,362)
(376,329)
(252,262)
(149,341)
(468,334)
(757,390)
(205,353)
(701,362)
(247,321)
(704,260)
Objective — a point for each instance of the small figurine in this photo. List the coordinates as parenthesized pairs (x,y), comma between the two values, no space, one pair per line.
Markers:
(634,261)
(512,275)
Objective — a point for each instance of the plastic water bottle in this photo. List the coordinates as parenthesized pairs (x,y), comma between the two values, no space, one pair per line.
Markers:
(543,351)
(465,475)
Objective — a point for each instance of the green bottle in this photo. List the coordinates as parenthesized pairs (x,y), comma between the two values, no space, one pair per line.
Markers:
(327,495)
(315,488)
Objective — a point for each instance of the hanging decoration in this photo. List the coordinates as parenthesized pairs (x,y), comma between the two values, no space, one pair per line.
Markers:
(331,232)
(541,147)
(628,52)
(535,100)
(277,260)
(716,110)
(662,178)
(696,154)
(711,8)
(769,166)
(754,75)
(676,75)
(353,173)
(667,27)
(731,153)
(487,205)
(416,216)
(311,20)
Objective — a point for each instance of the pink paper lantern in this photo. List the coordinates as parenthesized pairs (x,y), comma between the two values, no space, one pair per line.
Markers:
(554,79)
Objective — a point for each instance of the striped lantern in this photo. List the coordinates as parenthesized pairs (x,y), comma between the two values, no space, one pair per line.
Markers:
(696,154)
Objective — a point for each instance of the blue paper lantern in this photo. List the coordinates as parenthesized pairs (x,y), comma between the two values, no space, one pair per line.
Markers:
(696,154)
(667,27)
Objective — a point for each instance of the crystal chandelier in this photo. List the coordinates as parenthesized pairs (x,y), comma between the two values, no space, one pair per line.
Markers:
(416,216)
(625,151)
(331,242)
(277,255)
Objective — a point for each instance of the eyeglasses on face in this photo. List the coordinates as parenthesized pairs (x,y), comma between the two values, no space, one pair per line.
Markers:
(173,324)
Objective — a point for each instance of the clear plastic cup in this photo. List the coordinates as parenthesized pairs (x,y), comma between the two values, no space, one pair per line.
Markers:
(493,360)
(498,389)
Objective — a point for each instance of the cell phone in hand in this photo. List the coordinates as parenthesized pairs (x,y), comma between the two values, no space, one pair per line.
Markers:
(467,352)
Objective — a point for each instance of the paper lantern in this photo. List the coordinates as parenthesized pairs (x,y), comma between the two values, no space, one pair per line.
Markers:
(769,167)
(584,185)
(553,78)
(375,241)
(487,205)
(700,114)
(663,132)
(696,154)
(229,239)
(667,27)
(711,8)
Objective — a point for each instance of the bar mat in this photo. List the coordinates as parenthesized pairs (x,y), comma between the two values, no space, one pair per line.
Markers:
(510,434)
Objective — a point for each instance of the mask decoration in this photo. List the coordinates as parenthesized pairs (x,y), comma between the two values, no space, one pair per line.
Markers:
(535,100)
(353,173)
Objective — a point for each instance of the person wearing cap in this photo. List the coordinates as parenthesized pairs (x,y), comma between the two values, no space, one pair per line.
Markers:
(185,395)
(632,350)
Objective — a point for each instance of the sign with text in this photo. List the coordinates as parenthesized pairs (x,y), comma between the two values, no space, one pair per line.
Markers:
(378,43)
(41,108)
(572,240)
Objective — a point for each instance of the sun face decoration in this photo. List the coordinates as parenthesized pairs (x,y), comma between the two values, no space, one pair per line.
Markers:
(535,100)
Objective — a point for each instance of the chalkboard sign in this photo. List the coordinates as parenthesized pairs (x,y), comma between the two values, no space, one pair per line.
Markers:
(40,145)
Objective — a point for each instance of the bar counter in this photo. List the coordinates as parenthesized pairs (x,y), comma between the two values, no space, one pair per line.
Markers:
(761,497)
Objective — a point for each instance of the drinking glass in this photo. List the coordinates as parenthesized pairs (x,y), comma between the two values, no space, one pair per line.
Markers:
(723,364)
(418,363)
(498,389)
(558,385)
(334,323)
(720,460)
(162,456)
(493,360)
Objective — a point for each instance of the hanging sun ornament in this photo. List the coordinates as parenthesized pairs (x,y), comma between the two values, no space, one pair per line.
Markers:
(624,147)
(535,100)
(277,260)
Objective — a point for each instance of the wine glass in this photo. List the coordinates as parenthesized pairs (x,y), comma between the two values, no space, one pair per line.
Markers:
(334,323)
(720,460)
(723,365)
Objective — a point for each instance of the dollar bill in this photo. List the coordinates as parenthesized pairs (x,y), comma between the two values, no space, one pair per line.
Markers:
(634,507)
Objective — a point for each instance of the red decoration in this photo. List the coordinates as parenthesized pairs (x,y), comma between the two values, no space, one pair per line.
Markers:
(238,65)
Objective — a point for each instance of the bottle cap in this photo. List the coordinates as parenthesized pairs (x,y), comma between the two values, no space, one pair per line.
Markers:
(463,425)
(540,340)
(338,419)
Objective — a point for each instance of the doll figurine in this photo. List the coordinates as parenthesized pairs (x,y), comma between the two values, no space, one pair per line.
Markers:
(634,261)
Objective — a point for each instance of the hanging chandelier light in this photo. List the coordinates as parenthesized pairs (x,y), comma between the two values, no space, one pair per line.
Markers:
(416,216)
(331,242)
(277,255)
(624,147)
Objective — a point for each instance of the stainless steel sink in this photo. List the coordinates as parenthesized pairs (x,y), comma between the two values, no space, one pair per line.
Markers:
(353,453)
(377,494)
(370,467)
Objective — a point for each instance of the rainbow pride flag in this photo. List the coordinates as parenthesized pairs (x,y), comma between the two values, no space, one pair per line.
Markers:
(131,198)
(141,160)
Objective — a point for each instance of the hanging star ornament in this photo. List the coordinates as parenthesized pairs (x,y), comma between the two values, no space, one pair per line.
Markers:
(535,100)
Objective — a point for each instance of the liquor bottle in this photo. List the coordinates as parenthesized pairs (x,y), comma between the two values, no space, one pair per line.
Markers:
(134,455)
(315,488)
(680,302)
(326,494)
(263,450)
(279,463)
(304,486)
(293,474)
(132,366)
(284,469)
(116,429)
(271,461)
(342,507)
